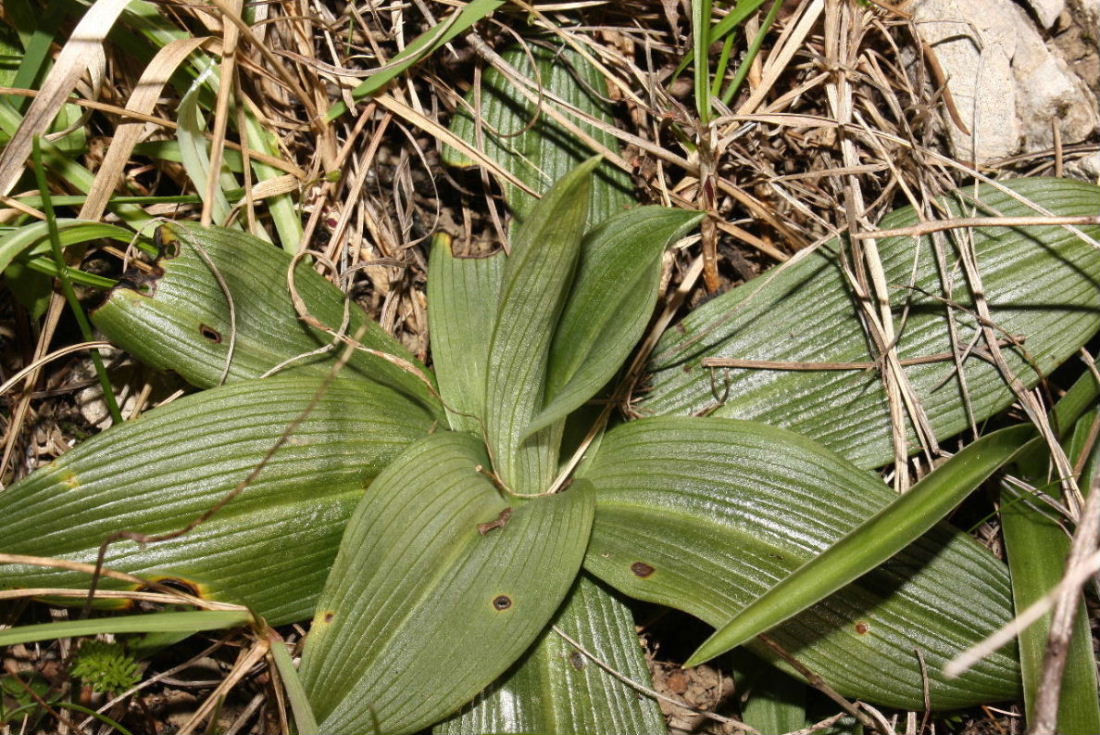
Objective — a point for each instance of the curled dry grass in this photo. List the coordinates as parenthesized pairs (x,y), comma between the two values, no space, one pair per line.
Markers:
(841,118)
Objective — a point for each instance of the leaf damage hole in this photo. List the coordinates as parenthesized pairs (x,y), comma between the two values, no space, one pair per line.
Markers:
(641,569)
(863,627)
(210,334)
(167,244)
(502,603)
(174,583)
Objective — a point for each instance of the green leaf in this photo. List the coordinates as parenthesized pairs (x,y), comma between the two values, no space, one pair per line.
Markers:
(195,151)
(462,308)
(1037,548)
(556,689)
(742,10)
(304,721)
(271,547)
(776,702)
(427,602)
(873,542)
(425,45)
(536,281)
(1040,282)
(700,33)
(185,622)
(34,238)
(705,515)
(34,290)
(610,304)
(181,320)
(527,142)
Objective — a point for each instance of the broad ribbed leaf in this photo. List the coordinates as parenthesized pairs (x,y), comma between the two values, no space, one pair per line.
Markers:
(1042,284)
(873,542)
(537,277)
(180,320)
(428,602)
(556,689)
(609,306)
(525,140)
(462,309)
(705,515)
(271,547)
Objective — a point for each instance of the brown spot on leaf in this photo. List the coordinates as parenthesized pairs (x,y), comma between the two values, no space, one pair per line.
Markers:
(211,334)
(641,569)
(502,602)
(329,616)
(576,660)
(500,522)
(862,627)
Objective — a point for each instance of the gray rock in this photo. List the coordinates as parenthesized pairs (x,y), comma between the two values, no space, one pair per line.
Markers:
(1009,88)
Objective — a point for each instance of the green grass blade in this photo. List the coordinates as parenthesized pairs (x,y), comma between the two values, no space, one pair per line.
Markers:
(1037,547)
(304,721)
(67,287)
(873,542)
(36,53)
(733,19)
(701,34)
(93,714)
(284,212)
(35,239)
(425,45)
(166,622)
(45,265)
(194,150)
(750,56)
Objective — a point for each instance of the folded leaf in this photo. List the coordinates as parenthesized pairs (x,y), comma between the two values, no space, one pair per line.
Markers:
(439,586)
(555,688)
(609,306)
(1041,284)
(181,319)
(537,277)
(271,547)
(525,140)
(705,515)
(462,308)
